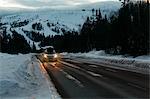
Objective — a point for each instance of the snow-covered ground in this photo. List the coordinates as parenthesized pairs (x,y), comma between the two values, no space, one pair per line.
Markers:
(22,77)
(139,64)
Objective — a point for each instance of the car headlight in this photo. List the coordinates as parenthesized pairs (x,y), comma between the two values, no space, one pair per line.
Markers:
(55,55)
(45,55)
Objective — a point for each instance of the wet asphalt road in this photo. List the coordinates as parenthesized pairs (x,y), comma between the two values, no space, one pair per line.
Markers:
(76,79)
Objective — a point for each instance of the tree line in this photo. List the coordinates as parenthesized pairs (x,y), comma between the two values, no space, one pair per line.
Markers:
(126,33)
(14,44)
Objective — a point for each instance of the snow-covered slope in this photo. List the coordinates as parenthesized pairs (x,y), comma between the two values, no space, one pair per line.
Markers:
(52,21)
(58,19)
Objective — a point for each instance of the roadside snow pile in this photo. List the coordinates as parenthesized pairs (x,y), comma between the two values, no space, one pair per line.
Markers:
(91,54)
(139,64)
(21,77)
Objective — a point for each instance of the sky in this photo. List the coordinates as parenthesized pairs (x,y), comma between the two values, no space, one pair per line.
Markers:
(34,4)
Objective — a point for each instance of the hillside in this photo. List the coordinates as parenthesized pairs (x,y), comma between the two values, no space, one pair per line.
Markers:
(45,22)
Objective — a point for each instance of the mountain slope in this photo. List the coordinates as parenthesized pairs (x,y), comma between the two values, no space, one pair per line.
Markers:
(51,21)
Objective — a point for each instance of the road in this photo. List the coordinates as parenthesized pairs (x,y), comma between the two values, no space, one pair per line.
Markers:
(77,79)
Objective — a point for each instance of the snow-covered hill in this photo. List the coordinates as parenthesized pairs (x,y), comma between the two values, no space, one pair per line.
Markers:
(46,22)
(51,21)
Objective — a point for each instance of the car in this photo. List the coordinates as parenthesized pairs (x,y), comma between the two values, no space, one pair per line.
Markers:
(49,54)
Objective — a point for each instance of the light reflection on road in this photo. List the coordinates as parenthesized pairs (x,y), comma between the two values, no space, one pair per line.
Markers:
(52,64)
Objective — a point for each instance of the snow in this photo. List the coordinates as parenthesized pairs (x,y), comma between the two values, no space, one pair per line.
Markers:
(22,77)
(68,19)
(139,64)
(102,54)
(18,30)
(61,19)
(47,47)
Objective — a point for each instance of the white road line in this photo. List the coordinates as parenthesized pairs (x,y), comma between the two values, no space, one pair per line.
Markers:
(71,65)
(76,81)
(89,72)
(94,74)
(72,78)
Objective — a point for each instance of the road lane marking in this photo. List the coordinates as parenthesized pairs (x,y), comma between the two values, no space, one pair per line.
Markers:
(99,82)
(134,85)
(77,81)
(72,78)
(71,65)
(94,74)
(89,72)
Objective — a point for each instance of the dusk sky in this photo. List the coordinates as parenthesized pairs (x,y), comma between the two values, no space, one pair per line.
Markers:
(33,4)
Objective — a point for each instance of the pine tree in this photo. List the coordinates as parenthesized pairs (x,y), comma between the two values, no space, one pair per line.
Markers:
(33,47)
(100,15)
(124,2)
(93,11)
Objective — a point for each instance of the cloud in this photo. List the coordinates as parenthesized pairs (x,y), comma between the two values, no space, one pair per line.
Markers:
(13,4)
(33,4)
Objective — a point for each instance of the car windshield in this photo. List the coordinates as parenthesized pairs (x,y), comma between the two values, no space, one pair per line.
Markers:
(50,51)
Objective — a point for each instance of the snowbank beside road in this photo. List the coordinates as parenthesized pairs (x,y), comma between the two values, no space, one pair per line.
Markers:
(102,54)
(140,64)
(22,77)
